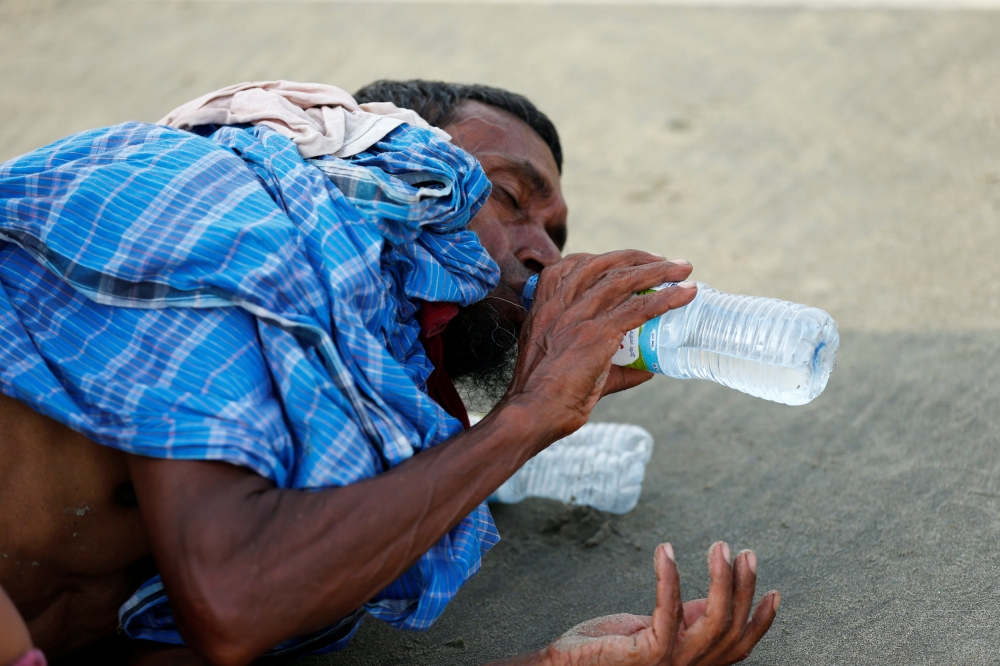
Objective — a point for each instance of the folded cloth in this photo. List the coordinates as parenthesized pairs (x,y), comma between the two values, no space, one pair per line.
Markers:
(214,296)
(433,318)
(320,119)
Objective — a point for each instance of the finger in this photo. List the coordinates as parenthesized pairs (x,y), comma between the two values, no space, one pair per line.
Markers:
(593,265)
(745,574)
(761,621)
(578,273)
(552,277)
(706,632)
(744,583)
(621,378)
(630,279)
(641,308)
(601,264)
(622,284)
(668,612)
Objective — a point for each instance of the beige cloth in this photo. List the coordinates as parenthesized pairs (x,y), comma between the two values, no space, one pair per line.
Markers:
(320,119)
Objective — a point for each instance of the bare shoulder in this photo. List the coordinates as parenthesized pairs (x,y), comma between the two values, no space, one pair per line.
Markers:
(72,547)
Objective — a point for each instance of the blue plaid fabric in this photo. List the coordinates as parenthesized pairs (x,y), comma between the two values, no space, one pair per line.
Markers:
(213,296)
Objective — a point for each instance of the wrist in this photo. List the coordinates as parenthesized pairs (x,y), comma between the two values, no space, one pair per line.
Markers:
(499,445)
(525,422)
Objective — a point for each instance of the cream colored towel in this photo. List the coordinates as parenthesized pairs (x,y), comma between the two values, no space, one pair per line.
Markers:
(320,119)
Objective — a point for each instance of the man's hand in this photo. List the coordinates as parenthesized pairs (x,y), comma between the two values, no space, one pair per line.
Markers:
(715,631)
(583,307)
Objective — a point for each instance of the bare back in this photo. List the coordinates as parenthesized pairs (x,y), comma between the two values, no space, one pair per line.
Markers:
(72,545)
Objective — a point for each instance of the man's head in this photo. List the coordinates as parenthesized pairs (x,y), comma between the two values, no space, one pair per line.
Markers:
(522,225)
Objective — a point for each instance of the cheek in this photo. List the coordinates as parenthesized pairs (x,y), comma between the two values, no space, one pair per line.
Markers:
(492,233)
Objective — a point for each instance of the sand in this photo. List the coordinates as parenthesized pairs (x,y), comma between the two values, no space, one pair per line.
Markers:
(845,159)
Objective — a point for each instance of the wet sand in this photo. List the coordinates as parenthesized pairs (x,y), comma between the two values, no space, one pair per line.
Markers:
(846,159)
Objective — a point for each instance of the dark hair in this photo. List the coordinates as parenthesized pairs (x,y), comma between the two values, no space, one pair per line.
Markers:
(437,102)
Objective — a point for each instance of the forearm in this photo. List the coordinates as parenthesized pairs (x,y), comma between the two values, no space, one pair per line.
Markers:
(378,528)
(276,563)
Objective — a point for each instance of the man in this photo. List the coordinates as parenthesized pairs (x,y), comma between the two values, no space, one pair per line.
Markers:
(250,561)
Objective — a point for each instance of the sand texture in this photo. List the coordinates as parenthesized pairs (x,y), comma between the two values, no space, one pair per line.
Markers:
(844,159)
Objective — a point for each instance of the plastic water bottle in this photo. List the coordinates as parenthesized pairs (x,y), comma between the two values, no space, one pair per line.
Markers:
(600,465)
(768,348)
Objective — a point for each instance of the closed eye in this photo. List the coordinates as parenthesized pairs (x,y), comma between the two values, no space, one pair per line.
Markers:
(509,199)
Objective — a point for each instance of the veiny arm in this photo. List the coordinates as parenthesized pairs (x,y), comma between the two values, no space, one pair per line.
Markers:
(247,565)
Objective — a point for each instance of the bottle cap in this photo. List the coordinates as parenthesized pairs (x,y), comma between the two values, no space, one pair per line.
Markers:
(528,293)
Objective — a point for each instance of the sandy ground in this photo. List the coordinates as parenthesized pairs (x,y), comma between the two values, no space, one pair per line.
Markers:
(845,159)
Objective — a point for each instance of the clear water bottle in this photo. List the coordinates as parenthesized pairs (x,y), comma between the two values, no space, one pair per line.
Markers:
(768,348)
(600,465)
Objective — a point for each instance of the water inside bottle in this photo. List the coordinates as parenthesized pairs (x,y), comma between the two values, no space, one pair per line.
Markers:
(790,385)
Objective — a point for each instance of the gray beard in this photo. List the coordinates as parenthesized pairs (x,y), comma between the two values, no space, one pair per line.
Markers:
(480,347)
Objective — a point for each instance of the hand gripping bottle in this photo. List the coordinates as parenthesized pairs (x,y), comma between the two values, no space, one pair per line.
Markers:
(768,348)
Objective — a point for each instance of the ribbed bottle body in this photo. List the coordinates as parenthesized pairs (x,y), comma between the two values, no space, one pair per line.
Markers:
(766,347)
(600,465)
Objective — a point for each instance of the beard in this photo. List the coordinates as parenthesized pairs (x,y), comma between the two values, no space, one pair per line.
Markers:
(480,350)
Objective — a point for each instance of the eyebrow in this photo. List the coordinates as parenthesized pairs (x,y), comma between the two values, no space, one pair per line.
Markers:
(528,172)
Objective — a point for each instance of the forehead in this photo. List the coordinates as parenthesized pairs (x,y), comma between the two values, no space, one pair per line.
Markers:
(488,132)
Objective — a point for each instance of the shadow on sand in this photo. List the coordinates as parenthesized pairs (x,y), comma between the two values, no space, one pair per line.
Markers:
(875,510)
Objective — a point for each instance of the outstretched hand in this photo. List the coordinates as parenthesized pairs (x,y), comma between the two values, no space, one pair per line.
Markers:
(715,631)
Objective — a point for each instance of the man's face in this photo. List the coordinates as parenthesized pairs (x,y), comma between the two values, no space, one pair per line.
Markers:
(522,226)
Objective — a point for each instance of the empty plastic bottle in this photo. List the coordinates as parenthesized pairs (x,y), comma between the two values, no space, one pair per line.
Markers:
(768,348)
(600,465)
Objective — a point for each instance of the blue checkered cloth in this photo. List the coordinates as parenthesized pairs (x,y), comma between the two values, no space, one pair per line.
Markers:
(213,296)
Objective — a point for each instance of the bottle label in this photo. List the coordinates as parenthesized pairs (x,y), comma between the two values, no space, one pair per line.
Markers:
(629,354)
(647,345)
(638,347)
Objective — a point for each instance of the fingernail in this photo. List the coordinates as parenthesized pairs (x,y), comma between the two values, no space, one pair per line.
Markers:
(725,552)
(776,600)
(687,284)
(658,255)
(752,560)
(670,551)
(680,261)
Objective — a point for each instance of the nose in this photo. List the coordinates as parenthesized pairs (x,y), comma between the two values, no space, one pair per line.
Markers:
(535,249)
